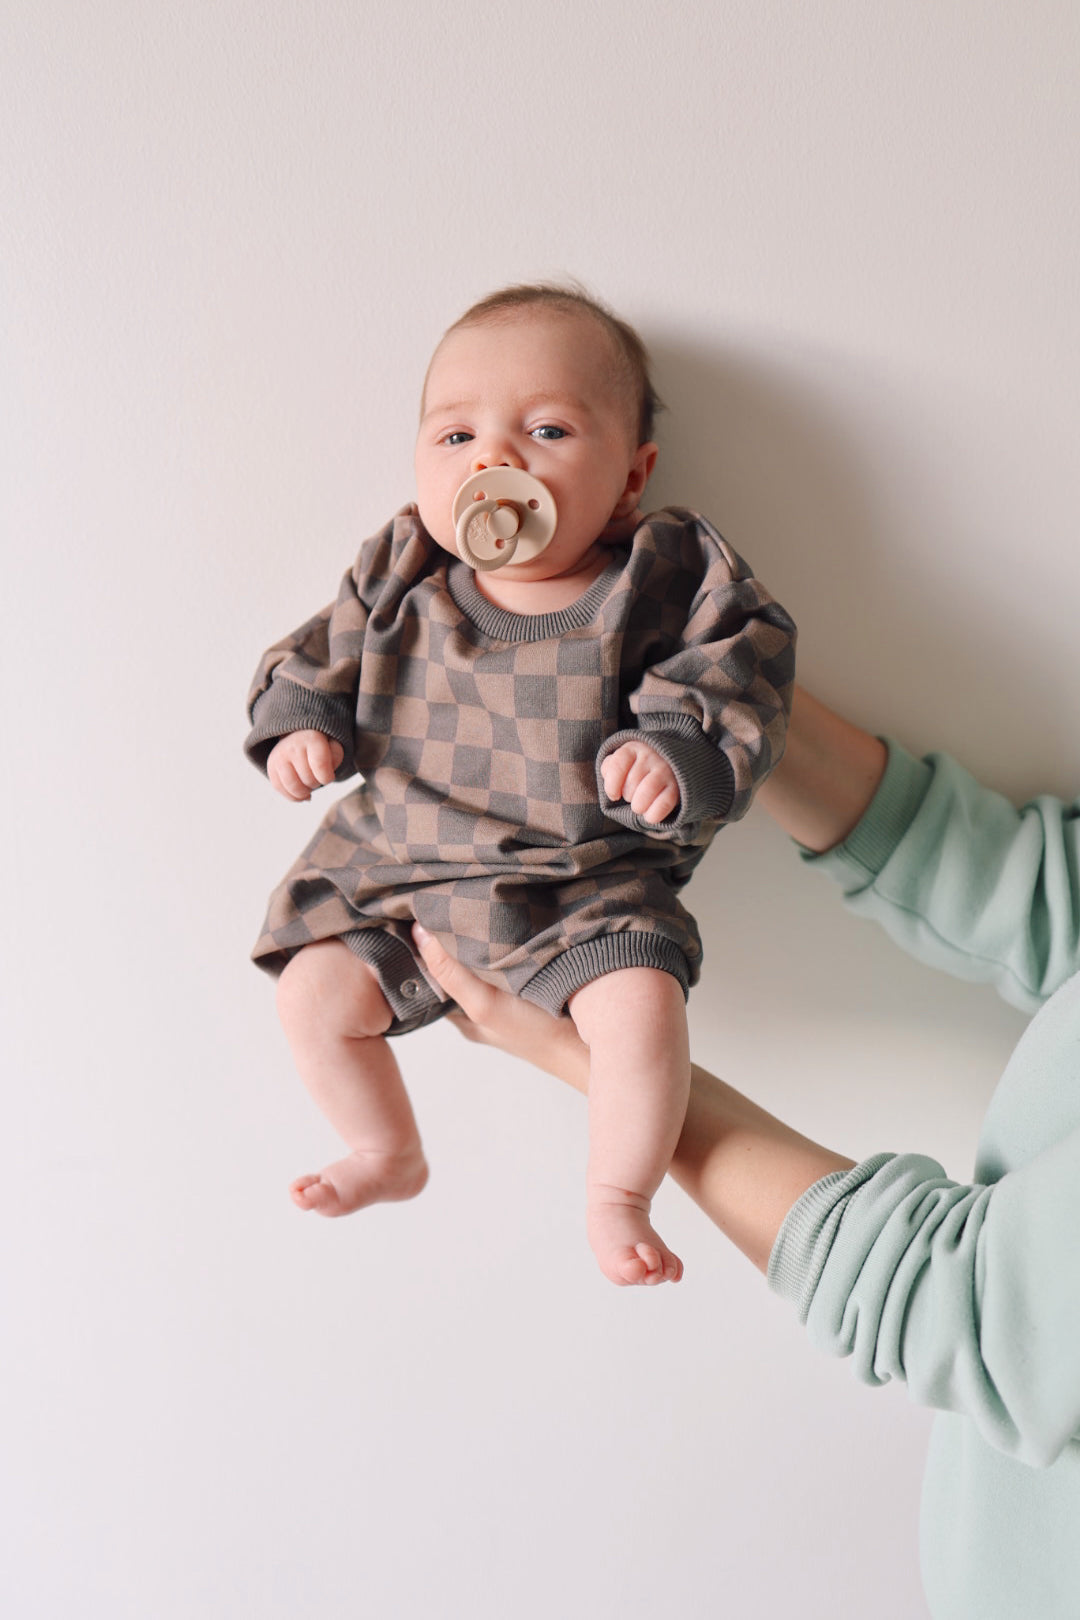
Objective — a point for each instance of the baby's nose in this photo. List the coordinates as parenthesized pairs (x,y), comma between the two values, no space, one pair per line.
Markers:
(496,456)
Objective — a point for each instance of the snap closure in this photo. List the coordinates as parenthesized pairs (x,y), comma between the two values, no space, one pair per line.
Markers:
(410,988)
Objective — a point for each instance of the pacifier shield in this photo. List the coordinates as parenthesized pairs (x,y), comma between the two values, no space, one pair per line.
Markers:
(500,515)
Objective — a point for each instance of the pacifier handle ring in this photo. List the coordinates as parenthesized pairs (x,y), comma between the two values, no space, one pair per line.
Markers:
(472,557)
(482,494)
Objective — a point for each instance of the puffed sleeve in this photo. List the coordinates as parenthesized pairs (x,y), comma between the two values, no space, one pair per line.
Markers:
(969,1294)
(309,679)
(716,704)
(964,880)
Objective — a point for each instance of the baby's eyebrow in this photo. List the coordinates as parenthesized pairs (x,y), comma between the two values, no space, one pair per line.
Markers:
(457,407)
(572,402)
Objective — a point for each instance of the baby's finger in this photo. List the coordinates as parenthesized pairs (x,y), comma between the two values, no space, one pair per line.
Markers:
(613,770)
(643,766)
(649,789)
(289,783)
(321,761)
(304,772)
(663,803)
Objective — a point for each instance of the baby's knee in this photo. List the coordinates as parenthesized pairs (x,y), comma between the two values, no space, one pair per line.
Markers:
(325,990)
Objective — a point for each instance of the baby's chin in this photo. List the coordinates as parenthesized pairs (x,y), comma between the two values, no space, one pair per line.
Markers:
(527,573)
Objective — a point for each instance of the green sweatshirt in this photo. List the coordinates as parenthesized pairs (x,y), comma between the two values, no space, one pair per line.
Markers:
(971,1292)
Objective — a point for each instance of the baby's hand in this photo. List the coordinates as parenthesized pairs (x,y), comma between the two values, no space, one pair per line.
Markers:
(639,774)
(301,761)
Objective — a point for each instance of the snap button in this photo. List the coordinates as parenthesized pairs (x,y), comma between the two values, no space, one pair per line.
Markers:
(411,988)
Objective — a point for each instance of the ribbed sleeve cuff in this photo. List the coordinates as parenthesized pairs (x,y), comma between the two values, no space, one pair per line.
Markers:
(805,1240)
(886,819)
(703,774)
(286,707)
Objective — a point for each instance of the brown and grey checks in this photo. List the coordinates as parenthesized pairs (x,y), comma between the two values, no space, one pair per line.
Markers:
(479,733)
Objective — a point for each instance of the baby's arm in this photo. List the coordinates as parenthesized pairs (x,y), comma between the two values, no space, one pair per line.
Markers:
(303,761)
(305,685)
(712,704)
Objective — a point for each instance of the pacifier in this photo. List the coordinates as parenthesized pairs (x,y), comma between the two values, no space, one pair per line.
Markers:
(500,515)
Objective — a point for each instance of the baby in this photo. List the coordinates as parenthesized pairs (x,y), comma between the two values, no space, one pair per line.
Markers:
(547,747)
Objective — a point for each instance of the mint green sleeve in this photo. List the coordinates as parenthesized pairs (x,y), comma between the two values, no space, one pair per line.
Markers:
(965,881)
(969,1294)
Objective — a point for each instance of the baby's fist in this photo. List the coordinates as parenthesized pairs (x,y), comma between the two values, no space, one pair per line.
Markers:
(638,774)
(302,761)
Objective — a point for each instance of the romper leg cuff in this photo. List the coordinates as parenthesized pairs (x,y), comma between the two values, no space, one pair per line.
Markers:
(553,986)
(401,979)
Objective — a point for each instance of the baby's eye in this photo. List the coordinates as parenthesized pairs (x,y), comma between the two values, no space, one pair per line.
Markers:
(548,431)
(458,437)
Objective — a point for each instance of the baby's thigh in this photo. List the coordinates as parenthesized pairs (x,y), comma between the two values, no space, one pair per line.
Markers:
(324,990)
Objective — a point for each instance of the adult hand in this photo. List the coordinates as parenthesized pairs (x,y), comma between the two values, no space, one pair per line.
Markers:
(496,1018)
(302,761)
(739,1164)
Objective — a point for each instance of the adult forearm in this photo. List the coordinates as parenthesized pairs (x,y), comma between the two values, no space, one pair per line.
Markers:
(743,1167)
(827,777)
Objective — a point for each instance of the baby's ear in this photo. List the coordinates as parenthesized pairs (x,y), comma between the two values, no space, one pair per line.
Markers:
(640,472)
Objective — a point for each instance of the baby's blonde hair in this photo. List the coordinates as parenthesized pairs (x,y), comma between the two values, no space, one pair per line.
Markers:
(630,354)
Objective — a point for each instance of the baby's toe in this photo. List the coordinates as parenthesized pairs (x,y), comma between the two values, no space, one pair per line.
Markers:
(311,1192)
(630,1267)
(662,1265)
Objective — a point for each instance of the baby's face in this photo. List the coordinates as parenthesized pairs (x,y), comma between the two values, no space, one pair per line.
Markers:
(537,391)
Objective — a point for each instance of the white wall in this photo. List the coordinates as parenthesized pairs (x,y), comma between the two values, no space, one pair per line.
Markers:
(230,234)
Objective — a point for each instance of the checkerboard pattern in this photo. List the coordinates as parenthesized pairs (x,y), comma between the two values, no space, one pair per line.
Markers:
(477,735)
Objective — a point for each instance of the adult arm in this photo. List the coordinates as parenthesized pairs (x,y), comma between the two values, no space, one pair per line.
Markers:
(970,1294)
(741,1165)
(955,873)
(828,776)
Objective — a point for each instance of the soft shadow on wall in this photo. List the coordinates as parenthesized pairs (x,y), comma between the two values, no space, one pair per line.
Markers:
(806,465)
(919,614)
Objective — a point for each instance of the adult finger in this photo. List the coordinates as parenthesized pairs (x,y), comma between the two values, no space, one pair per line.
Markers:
(472,995)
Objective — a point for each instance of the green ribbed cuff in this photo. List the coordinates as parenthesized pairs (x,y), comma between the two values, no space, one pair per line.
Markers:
(886,819)
(805,1240)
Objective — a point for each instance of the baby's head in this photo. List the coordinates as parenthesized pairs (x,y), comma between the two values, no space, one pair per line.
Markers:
(545,379)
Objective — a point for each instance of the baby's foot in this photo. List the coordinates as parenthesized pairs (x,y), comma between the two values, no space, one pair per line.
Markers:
(625,1245)
(362,1178)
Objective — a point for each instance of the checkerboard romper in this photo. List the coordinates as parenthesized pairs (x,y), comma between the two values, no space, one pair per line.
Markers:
(479,734)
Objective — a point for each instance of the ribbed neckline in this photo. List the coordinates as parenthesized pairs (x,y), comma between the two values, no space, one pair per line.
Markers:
(502,625)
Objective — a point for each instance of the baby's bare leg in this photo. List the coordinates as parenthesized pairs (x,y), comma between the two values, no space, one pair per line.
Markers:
(334,1014)
(634,1024)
